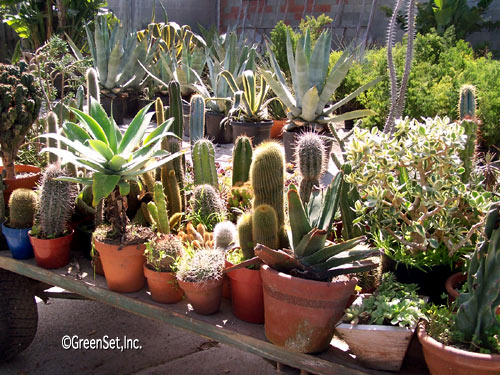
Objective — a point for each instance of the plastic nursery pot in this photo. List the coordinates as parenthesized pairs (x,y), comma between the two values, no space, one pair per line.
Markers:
(18,242)
(163,286)
(258,131)
(52,253)
(444,360)
(247,296)
(300,314)
(117,104)
(216,132)
(205,297)
(123,266)
(28,182)
(277,128)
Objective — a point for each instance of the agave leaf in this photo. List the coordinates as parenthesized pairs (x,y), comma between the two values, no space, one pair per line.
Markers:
(103,185)
(282,92)
(91,125)
(347,257)
(278,260)
(301,82)
(102,148)
(311,243)
(75,133)
(309,104)
(354,267)
(359,113)
(135,131)
(330,251)
(299,222)
(99,114)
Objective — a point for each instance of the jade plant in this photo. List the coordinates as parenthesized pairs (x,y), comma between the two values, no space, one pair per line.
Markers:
(20,101)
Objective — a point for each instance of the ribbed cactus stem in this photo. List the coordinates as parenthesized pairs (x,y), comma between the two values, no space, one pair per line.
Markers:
(149,180)
(178,165)
(203,155)
(265,226)
(224,235)
(311,158)
(175,108)
(22,208)
(245,237)
(197,118)
(52,128)
(172,191)
(467,102)
(92,86)
(242,159)
(158,209)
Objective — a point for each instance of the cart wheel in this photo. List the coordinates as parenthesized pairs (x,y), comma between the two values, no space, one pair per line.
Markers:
(18,314)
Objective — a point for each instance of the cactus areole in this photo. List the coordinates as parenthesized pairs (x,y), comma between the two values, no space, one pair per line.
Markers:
(19,106)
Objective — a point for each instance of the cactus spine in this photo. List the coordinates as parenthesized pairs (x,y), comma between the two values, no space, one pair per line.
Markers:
(208,205)
(175,108)
(52,128)
(92,86)
(311,159)
(158,209)
(467,102)
(265,226)
(245,236)
(242,159)
(224,235)
(467,111)
(57,202)
(172,191)
(197,118)
(22,208)
(203,155)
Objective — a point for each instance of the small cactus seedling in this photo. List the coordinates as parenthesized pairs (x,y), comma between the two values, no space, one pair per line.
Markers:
(22,208)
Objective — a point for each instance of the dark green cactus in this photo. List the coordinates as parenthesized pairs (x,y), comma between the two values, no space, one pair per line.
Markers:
(175,109)
(242,159)
(467,112)
(203,155)
(207,203)
(467,102)
(244,227)
(20,100)
(57,202)
(265,226)
(267,175)
(172,191)
(348,197)
(197,118)
(22,208)
(158,209)
(92,86)
(476,315)
(311,159)
(52,128)
(178,165)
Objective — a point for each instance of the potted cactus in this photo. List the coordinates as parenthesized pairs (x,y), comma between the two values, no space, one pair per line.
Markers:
(19,107)
(200,276)
(51,236)
(22,209)
(468,342)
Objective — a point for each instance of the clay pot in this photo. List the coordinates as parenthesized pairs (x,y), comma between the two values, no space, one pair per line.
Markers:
(18,242)
(12,184)
(205,297)
(226,282)
(301,314)
(163,286)
(277,129)
(123,267)
(447,360)
(214,131)
(97,264)
(257,131)
(52,253)
(247,295)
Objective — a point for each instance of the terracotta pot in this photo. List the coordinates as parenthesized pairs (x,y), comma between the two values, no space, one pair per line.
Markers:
(215,132)
(205,297)
(301,314)
(97,264)
(12,184)
(277,129)
(52,253)
(226,282)
(163,286)
(447,360)
(247,295)
(257,131)
(123,267)
(452,284)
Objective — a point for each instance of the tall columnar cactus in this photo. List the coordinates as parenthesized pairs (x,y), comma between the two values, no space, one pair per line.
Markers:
(172,191)
(467,113)
(467,102)
(57,202)
(20,101)
(311,159)
(224,235)
(175,108)
(245,236)
(158,209)
(267,175)
(92,86)
(242,159)
(197,118)
(52,128)
(476,316)
(203,155)
(207,203)
(265,226)
(22,208)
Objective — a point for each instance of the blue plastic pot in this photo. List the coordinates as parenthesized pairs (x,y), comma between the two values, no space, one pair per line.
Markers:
(18,242)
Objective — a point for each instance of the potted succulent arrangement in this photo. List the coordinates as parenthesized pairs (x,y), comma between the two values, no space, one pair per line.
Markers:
(21,101)
(22,208)
(468,342)
(51,236)
(115,159)
(313,87)
(199,274)
(378,328)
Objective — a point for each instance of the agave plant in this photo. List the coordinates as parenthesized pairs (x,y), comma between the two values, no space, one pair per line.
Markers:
(313,86)
(113,158)
(311,257)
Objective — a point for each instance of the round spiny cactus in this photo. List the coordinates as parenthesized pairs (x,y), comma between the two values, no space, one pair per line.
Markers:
(207,203)
(22,208)
(224,235)
(162,252)
(311,159)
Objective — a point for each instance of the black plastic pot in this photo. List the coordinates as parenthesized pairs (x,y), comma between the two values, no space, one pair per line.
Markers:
(257,131)
(216,132)
(132,105)
(118,104)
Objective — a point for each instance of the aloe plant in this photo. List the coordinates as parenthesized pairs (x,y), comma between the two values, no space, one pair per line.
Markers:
(313,85)
(113,158)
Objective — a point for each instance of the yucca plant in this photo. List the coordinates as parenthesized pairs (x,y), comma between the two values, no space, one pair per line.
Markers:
(113,158)
(313,85)
(311,257)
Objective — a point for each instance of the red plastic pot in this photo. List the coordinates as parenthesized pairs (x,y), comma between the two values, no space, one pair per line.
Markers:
(12,184)
(205,297)
(163,286)
(300,314)
(247,295)
(52,253)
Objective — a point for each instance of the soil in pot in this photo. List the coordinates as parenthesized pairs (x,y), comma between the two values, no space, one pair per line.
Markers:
(52,253)
(27,177)
(247,295)
(118,104)
(257,131)
(217,133)
(163,286)
(205,297)
(18,242)
(301,314)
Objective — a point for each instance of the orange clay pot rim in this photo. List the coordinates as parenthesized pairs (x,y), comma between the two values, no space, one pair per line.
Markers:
(423,336)
(306,281)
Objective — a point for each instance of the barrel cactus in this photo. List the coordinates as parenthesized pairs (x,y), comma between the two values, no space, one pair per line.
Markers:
(265,226)
(203,155)
(242,159)
(22,208)
(311,159)
(207,205)
(224,235)
(20,101)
